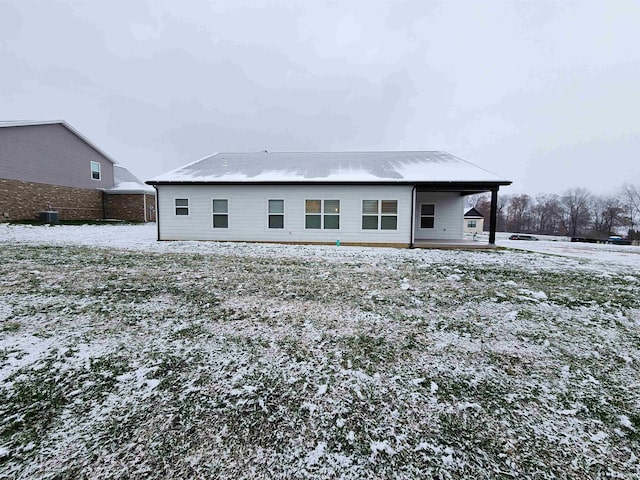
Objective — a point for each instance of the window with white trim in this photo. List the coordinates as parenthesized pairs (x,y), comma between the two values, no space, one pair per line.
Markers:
(427,215)
(379,214)
(471,224)
(220,208)
(276,213)
(182,206)
(322,214)
(95,171)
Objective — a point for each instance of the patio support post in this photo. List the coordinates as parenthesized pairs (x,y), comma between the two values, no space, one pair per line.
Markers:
(493,215)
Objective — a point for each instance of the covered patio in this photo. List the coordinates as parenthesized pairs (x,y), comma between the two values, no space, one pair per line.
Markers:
(423,233)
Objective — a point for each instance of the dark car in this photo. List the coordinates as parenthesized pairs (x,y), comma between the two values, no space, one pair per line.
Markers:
(522,237)
(618,240)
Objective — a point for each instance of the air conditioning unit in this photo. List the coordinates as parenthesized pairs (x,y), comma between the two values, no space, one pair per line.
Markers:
(49,217)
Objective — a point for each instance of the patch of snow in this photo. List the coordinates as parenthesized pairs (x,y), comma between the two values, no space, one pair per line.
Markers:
(599,436)
(625,422)
(511,316)
(380,446)
(152,383)
(447,460)
(316,454)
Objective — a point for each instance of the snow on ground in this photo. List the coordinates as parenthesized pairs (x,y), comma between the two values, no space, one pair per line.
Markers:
(143,237)
(628,255)
(123,357)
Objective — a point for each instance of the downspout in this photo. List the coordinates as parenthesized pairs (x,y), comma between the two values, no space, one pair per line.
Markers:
(144,205)
(157,211)
(413,213)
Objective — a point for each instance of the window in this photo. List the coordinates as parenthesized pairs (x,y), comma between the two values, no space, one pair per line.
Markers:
(322,214)
(427,215)
(276,213)
(182,206)
(220,213)
(95,170)
(471,224)
(379,214)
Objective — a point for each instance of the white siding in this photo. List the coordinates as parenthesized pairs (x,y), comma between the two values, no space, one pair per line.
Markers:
(449,211)
(478,228)
(248,213)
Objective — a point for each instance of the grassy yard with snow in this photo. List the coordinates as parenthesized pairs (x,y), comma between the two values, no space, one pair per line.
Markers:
(315,362)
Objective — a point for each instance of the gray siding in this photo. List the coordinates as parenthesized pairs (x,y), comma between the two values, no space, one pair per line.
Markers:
(51,154)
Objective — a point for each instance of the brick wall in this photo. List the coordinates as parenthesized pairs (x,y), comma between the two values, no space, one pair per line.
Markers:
(23,200)
(130,207)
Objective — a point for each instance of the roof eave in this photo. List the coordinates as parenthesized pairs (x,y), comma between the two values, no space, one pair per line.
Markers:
(435,185)
(131,191)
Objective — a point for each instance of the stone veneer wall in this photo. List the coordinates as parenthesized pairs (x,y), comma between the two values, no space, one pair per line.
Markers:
(130,207)
(24,200)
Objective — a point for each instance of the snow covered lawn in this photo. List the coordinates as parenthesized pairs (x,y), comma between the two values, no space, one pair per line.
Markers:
(122,357)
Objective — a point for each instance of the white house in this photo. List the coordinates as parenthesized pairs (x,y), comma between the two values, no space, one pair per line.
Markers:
(362,198)
(473,221)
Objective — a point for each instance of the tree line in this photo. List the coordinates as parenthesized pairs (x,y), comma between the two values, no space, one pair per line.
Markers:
(576,213)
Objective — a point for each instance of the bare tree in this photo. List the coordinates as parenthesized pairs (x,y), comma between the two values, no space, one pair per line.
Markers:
(519,213)
(630,198)
(576,203)
(607,213)
(483,205)
(546,215)
(577,212)
(501,209)
(471,201)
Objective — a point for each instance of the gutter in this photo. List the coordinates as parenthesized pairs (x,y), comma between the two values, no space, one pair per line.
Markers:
(445,186)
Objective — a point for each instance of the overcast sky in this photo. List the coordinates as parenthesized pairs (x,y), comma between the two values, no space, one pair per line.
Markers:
(543,93)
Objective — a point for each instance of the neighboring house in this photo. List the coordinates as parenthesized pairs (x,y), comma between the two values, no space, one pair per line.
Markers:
(129,198)
(50,166)
(473,221)
(363,198)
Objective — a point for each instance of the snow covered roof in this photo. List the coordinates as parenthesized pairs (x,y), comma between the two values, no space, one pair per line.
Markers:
(329,167)
(31,123)
(126,182)
(473,213)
